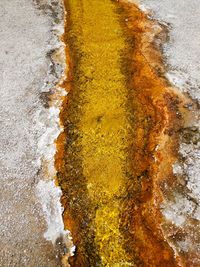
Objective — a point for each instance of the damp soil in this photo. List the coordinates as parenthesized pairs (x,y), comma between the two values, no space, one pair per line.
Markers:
(119,110)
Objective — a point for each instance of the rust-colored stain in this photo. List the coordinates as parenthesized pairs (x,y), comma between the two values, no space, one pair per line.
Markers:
(121,120)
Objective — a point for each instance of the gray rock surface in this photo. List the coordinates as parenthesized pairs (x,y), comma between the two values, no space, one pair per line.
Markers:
(182,54)
(25,34)
(182,51)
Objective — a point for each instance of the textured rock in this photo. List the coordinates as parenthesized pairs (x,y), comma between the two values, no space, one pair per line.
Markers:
(25,38)
(182,56)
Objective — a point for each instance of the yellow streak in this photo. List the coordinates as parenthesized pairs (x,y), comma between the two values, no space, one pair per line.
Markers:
(103,123)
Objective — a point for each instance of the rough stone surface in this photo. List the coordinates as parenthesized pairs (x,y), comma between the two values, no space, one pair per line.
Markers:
(182,56)
(25,41)
(182,50)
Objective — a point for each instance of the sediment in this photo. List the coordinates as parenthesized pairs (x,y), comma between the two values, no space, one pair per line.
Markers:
(121,120)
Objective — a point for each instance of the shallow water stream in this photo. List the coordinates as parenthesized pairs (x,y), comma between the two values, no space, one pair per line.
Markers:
(110,120)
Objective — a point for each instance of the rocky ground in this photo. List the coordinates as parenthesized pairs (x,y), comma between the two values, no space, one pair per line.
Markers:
(182,56)
(27,36)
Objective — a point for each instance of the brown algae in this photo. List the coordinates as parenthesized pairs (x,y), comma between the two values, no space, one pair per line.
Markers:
(118,109)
